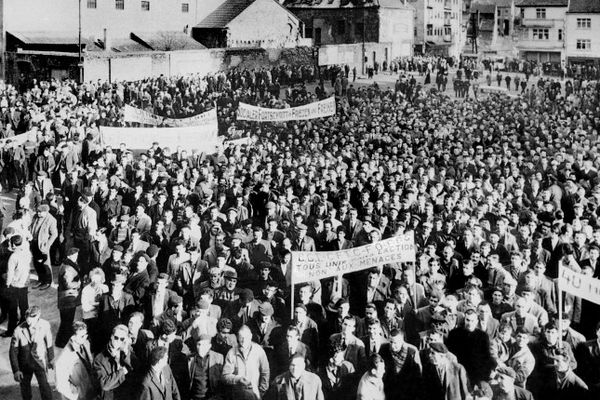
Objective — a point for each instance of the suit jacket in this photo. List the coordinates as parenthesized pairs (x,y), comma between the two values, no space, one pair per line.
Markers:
(280,360)
(355,350)
(149,300)
(382,292)
(530,325)
(47,231)
(306,244)
(30,347)
(452,385)
(153,389)
(215,370)
(309,385)
(383,344)
(336,245)
(273,333)
(491,327)
(590,362)
(353,233)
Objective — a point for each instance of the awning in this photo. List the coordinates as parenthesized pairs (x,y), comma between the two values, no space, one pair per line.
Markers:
(167,40)
(48,38)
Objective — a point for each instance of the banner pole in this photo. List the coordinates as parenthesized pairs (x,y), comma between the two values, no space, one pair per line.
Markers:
(560,308)
(292,290)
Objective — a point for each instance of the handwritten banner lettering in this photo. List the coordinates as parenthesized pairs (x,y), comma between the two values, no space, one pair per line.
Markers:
(579,285)
(323,108)
(309,266)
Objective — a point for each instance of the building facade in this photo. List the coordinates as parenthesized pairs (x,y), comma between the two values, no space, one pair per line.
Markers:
(583,32)
(438,27)
(381,30)
(250,23)
(541,36)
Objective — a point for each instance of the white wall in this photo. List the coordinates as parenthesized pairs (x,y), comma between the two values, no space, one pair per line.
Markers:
(62,16)
(264,24)
(574,33)
(397,27)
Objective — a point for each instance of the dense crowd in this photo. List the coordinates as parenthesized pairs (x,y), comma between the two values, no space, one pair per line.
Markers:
(179,262)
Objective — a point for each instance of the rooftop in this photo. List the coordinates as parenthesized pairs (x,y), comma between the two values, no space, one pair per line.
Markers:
(546,3)
(584,6)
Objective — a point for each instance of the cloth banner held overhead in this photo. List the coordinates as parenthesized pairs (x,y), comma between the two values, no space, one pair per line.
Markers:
(132,114)
(579,285)
(202,138)
(309,266)
(323,108)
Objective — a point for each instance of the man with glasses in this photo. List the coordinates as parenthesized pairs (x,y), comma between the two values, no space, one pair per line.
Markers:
(114,366)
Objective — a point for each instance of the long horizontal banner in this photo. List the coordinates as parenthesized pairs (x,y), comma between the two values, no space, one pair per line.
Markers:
(323,108)
(309,266)
(579,285)
(202,138)
(132,114)
(18,140)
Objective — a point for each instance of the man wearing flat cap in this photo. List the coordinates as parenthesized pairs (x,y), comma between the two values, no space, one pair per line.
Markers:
(205,366)
(265,330)
(505,387)
(44,232)
(83,225)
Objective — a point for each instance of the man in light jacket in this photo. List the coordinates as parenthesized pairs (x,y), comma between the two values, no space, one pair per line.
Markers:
(297,383)
(43,233)
(75,378)
(246,367)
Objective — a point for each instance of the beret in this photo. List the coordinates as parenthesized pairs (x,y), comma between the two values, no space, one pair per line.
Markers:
(439,347)
(72,251)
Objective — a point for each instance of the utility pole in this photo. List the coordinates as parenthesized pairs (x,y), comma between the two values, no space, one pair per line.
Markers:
(79,60)
(364,27)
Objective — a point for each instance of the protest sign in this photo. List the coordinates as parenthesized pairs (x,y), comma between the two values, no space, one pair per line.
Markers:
(309,266)
(323,108)
(579,285)
(132,114)
(202,138)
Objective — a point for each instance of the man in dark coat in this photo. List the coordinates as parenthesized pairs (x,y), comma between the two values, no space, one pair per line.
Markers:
(471,346)
(445,379)
(505,387)
(159,383)
(403,368)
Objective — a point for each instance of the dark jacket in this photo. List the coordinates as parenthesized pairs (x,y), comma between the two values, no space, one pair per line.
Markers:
(152,389)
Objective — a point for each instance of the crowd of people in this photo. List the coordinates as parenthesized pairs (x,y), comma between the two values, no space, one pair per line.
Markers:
(179,262)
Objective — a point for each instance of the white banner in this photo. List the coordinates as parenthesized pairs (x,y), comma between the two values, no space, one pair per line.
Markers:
(132,114)
(579,285)
(202,138)
(323,108)
(18,139)
(309,266)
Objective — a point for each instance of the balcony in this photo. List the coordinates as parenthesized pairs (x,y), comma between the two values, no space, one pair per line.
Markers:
(541,23)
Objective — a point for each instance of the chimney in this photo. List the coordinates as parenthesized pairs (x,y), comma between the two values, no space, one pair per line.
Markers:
(105,40)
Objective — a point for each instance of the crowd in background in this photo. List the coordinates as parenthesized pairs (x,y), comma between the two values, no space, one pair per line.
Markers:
(179,262)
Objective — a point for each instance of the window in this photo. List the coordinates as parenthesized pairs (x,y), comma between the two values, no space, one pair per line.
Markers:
(540,13)
(560,34)
(541,34)
(358,29)
(429,30)
(447,31)
(145,6)
(584,23)
(584,44)
(185,7)
(92,4)
(120,4)
(341,27)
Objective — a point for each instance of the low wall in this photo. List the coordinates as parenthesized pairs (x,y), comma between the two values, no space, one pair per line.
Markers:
(135,66)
